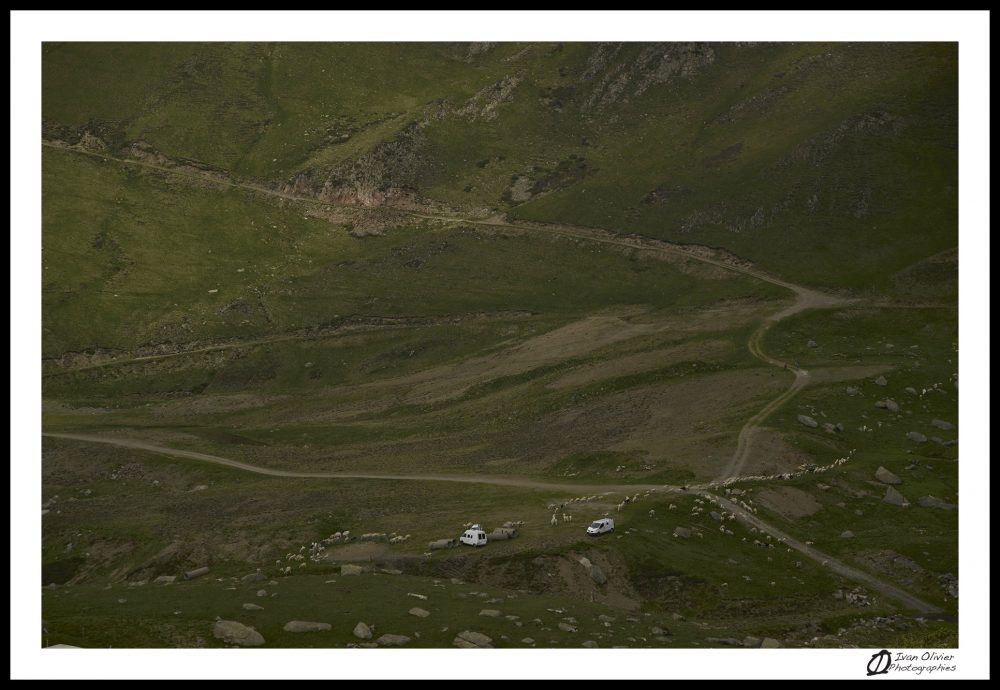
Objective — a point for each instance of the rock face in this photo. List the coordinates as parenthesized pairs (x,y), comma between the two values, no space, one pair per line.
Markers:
(470,639)
(682,532)
(887,477)
(941,424)
(895,498)
(916,436)
(347,569)
(931,502)
(362,631)
(306,626)
(597,575)
(392,640)
(808,421)
(232,632)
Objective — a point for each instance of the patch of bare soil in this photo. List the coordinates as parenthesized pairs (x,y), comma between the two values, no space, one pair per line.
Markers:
(356,552)
(788,501)
(773,455)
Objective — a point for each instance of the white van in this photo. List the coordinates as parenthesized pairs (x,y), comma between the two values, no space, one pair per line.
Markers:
(474,536)
(601,526)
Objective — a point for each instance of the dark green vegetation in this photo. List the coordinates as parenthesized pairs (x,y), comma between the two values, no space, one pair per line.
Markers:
(318,258)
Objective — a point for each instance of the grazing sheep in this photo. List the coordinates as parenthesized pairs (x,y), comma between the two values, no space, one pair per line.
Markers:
(671,507)
(567,518)
(652,513)
(555,520)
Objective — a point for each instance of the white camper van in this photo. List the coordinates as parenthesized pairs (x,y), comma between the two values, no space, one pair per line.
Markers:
(474,536)
(601,526)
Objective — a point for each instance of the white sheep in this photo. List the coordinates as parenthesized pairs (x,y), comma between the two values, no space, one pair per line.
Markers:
(555,520)
(652,513)
(671,507)
(567,518)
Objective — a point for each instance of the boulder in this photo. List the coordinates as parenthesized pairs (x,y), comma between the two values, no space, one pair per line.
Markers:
(881,404)
(471,639)
(943,425)
(895,498)
(891,405)
(847,534)
(362,631)
(253,577)
(752,642)
(597,575)
(887,477)
(348,569)
(682,532)
(490,613)
(165,580)
(197,572)
(910,390)
(527,640)
(880,381)
(392,640)
(232,632)
(262,592)
(252,607)
(419,612)
(808,421)
(306,626)
(770,643)
(916,436)
(566,627)
(590,644)
(812,343)
(715,516)
(852,391)
(931,502)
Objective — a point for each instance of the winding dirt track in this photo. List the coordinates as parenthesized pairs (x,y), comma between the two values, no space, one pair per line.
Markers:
(805,299)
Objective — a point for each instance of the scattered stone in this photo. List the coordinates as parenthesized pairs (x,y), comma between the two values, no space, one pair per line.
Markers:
(943,425)
(880,381)
(728,641)
(605,618)
(392,640)
(456,581)
(165,580)
(847,534)
(122,601)
(262,592)
(916,436)
(306,626)
(715,516)
(566,627)
(362,631)
(527,640)
(348,569)
(750,641)
(232,632)
(490,613)
(931,502)
(679,617)
(590,644)
(829,428)
(597,575)
(812,343)
(253,577)
(895,498)
(852,391)
(911,391)
(950,442)
(422,597)
(197,572)
(682,532)
(887,477)
(419,612)
(808,421)
(880,404)
(770,642)
(949,583)
(656,630)
(470,639)
(252,607)
(891,405)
